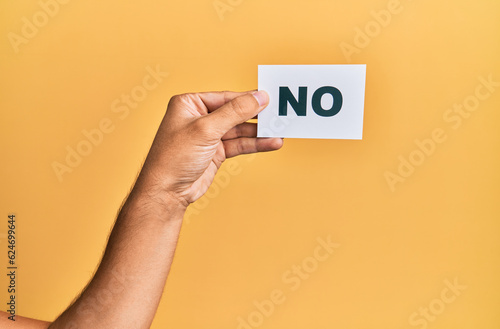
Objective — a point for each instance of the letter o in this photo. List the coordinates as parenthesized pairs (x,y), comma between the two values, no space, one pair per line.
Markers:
(471,107)
(416,161)
(213,191)
(437,306)
(84,148)
(274,126)
(43,16)
(369,29)
(312,262)
(139,93)
(337,101)
(259,319)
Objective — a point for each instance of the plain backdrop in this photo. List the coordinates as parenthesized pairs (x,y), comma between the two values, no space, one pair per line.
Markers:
(398,248)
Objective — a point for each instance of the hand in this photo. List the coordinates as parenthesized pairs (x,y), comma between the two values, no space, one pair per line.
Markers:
(199,131)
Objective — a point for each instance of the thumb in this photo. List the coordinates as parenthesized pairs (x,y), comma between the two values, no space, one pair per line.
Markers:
(236,111)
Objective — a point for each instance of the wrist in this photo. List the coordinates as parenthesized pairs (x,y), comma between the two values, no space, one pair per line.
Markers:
(158,205)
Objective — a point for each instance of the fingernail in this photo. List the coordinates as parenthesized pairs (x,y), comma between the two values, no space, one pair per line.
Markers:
(261,97)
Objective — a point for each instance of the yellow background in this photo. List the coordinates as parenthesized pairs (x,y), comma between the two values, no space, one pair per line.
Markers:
(396,248)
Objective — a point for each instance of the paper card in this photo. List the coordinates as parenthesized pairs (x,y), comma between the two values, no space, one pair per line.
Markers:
(312,101)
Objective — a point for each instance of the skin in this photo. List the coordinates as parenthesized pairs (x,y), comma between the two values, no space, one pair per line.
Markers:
(198,132)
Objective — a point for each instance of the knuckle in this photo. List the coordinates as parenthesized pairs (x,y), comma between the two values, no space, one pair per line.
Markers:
(239,107)
(238,131)
(240,148)
(225,95)
(177,99)
(173,103)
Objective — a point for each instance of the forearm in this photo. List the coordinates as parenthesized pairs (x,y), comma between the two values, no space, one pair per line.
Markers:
(127,287)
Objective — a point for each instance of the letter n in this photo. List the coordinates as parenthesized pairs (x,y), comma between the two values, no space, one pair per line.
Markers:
(286,97)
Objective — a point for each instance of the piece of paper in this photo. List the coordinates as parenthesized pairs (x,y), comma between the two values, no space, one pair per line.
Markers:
(312,101)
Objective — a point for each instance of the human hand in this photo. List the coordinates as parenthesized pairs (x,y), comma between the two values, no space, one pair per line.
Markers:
(198,132)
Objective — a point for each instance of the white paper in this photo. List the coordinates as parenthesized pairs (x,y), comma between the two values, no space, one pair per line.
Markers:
(347,123)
